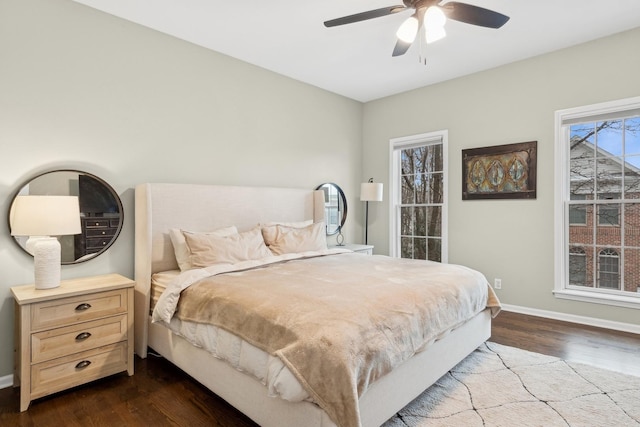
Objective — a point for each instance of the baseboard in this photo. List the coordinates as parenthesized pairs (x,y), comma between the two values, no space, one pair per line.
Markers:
(6,381)
(583,320)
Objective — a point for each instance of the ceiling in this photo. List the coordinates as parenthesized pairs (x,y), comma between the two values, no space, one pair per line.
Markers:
(289,38)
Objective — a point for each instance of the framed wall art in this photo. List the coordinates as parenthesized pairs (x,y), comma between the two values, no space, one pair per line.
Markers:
(500,172)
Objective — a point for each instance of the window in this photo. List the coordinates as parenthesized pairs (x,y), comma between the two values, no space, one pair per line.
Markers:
(418,195)
(577,266)
(598,203)
(609,269)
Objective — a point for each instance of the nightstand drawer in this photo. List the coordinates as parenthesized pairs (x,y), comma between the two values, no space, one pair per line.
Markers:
(65,311)
(60,342)
(59,374)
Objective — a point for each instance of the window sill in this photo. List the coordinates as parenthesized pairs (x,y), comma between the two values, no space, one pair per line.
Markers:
(599,298)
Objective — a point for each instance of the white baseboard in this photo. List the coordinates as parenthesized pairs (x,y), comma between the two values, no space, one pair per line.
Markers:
(6,381)
(583,320)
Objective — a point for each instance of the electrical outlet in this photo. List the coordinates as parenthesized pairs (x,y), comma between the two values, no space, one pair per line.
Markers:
(497,283)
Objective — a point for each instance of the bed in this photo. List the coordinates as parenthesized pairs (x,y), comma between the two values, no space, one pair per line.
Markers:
(160,208)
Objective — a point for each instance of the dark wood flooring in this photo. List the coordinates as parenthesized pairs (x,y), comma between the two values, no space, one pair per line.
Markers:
(161,395)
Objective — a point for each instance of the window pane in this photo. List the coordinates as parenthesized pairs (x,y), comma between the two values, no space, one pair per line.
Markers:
(608,176)
(420,224)
(407,162)
(577,215)
(435,157)
(632,225)
(408,189)
(436,188)
(582,133)
(609,214)
(582,234)
(581,168)
(419,248)
(609,138)
(632,270)
(421,186)
(434,250)
(577,266)
(434,221)
(632,177)
(632,136)
(406,247)
(608,269)
(407,221)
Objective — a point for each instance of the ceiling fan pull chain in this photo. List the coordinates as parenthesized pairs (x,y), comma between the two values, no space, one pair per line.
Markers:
(422,56)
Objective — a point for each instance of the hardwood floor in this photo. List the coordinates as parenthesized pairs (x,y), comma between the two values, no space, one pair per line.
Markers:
(159,394)
(613,350)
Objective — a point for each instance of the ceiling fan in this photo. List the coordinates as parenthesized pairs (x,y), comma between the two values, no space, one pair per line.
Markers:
(430,14)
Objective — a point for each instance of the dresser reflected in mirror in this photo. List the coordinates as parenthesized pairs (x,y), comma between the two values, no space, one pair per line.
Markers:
(101,212)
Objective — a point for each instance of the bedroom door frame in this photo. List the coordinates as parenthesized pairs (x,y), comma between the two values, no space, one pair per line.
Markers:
(396,145)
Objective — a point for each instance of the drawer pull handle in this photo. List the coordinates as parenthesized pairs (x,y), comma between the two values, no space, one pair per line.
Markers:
(83,336)
(83,364)
(83,306)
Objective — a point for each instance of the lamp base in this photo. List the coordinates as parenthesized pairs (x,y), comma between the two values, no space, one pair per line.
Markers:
(46,263)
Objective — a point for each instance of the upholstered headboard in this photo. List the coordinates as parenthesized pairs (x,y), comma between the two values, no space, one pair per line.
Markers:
(160,207)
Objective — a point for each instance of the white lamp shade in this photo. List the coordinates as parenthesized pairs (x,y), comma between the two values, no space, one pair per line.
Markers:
(45,216)
(371,192)
(408,30)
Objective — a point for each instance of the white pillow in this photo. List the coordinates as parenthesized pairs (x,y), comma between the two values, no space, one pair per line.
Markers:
(269,229)
(207,249)
(181,249)
(296,240)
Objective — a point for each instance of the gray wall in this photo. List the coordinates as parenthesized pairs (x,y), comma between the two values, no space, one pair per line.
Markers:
(508,239)
(82,89)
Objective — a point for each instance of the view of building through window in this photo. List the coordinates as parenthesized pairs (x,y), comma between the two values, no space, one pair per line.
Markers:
(604,205)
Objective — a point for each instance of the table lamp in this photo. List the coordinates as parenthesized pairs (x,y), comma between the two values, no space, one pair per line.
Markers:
(40,218)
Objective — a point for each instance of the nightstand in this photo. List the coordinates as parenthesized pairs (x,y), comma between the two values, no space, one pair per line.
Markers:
(362,249)
(72,334)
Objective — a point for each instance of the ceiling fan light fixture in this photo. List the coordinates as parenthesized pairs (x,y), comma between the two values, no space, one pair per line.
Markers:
(408,30)
(434,17)
(434,34)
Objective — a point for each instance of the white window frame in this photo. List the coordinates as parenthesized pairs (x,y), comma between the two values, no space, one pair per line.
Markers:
(595,112)
(395,146)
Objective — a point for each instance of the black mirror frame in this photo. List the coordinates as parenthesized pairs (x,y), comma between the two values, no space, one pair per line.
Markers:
(341,199)
(79,172)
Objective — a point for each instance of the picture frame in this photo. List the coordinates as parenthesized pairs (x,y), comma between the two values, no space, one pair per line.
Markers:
(500,172)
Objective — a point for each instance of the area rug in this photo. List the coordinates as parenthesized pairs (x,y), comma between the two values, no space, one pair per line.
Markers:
(500,386)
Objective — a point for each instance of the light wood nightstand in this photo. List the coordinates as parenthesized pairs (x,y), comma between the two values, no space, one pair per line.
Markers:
(72,334)
(363,249)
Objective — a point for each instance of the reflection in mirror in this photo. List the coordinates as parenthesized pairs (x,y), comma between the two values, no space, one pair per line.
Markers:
(101,212)
(335,207)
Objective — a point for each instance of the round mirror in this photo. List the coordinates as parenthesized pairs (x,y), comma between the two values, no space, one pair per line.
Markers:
(335,207)
(101,213)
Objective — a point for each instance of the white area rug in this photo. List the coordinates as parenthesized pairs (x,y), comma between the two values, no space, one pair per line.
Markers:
(500,386)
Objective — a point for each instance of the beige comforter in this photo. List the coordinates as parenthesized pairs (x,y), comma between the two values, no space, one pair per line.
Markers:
(339,322)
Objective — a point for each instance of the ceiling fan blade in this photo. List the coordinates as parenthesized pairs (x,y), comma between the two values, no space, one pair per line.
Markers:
(401,48)
(474,15)
(363,16)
